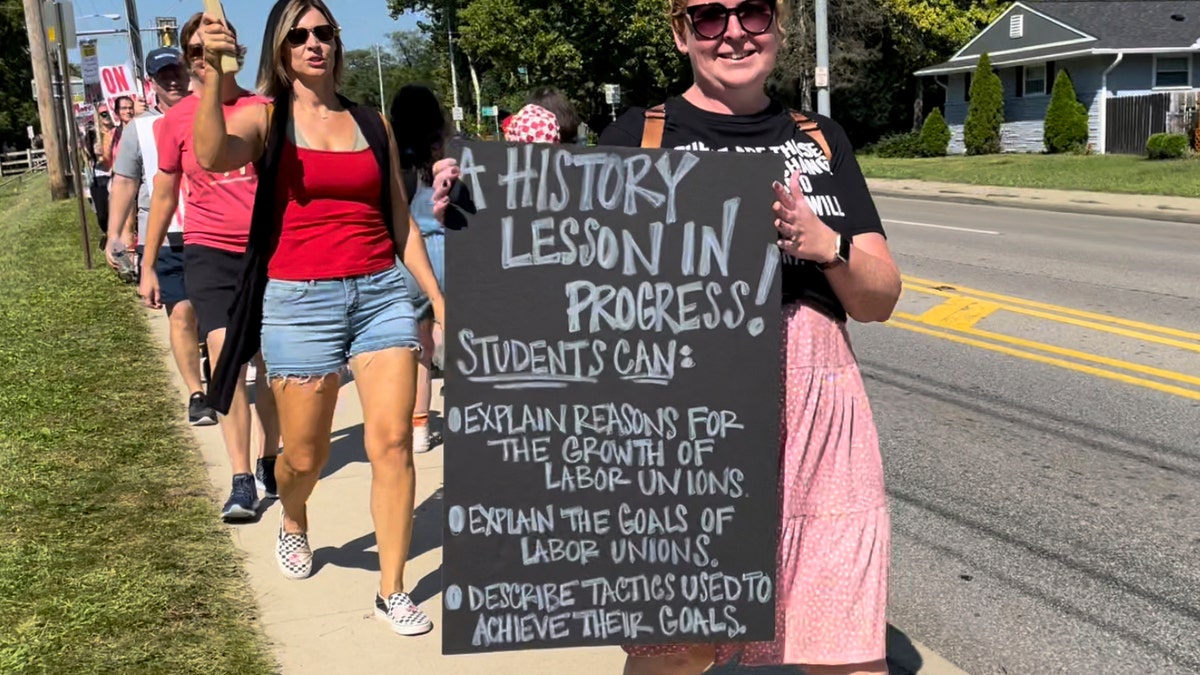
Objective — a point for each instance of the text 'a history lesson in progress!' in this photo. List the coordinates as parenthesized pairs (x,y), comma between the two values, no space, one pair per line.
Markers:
(612,398)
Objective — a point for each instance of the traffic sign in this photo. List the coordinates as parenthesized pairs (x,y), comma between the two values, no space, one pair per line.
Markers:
(491,111)
(458,114)
(612,94)
(55,32)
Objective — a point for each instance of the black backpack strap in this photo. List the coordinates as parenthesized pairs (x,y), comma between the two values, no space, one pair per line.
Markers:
(810,127)
(652,131)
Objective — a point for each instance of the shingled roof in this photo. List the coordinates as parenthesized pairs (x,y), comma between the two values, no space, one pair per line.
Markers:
(1101,27)
(1130,24)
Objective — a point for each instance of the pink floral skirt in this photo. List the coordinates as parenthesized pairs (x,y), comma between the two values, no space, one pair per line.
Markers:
(834,534)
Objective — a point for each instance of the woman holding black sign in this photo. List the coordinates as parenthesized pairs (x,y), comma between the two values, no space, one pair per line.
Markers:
(834,535)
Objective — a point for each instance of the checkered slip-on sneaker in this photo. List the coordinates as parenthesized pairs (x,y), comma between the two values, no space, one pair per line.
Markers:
(404,615)
(293,554)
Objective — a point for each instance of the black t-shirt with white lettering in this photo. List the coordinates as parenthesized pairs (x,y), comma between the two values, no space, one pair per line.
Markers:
(836,189)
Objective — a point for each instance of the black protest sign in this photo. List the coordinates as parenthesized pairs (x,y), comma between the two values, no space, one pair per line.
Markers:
(612,399)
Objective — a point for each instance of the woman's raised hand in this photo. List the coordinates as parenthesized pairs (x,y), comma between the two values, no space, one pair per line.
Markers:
(445,174)
(802,234)
(217,40)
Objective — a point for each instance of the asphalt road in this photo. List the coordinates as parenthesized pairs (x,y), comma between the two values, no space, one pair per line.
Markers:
(1038,400)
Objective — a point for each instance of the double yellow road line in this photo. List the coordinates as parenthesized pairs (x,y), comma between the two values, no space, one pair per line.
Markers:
(962,308)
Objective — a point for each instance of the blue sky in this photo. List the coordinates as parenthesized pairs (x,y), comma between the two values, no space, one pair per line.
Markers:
(364,23)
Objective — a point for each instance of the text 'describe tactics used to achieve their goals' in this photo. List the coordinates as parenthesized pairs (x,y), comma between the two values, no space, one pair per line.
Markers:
(612,398)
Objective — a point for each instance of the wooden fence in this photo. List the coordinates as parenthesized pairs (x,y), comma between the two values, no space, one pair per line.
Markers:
(24,161)
(1133,119)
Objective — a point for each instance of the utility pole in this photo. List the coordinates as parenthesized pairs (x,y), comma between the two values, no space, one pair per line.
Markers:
(46,103)
(73,136)
(453,73)
(135,45)
(822,74)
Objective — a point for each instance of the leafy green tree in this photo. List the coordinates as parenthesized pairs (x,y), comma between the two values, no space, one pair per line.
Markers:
(1066,127)
(985,113)
(408,58)
(935,135)
(580,46)
(17,107)
(577,47)
(926,31)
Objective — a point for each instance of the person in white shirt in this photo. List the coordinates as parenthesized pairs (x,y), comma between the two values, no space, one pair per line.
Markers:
(134,167)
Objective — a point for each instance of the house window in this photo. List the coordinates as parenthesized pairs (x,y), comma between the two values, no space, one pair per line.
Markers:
(1016,26)
(1035,80)
(1172,71)
(967,87)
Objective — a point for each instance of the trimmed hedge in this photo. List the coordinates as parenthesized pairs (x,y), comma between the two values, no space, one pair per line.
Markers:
(1167,146)
(897,146)
(985,113)
(1066,127)
(935,135)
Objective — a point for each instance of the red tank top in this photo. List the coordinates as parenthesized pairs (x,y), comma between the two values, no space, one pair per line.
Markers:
(333,225)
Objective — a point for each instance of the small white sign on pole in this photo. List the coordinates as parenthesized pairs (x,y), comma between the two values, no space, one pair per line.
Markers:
(821,76)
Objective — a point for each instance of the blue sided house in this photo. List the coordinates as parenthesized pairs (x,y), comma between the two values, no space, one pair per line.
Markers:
(1135,65)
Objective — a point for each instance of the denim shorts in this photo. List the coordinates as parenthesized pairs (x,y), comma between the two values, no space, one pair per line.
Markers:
(435,246)
(313,328)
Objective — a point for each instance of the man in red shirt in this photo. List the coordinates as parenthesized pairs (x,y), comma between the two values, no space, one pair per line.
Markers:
(216,229)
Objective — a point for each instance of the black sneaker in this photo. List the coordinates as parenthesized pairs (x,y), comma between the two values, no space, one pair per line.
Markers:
(199,412)
(264,478)
(243,500)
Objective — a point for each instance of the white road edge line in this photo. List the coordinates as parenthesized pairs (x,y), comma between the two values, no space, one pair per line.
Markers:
(940,227)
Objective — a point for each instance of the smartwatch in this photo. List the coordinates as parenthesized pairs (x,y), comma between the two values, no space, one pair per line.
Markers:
(842,256)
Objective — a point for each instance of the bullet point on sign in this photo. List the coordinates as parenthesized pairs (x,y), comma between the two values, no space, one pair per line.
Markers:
(456,519)
(453,598)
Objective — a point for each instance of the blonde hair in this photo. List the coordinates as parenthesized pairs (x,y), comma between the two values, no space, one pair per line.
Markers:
(677,12)
(273,76)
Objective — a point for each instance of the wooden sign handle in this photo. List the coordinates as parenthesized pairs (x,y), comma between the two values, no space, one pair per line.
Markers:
(229,62)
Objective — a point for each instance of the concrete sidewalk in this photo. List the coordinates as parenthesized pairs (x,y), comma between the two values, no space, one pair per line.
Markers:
(326,624)
(1155,207)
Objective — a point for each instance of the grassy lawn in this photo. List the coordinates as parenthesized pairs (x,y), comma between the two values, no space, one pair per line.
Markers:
(112,557)
(1098,173)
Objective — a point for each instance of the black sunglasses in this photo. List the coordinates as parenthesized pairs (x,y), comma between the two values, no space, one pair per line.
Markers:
(298,36)
(709,21)
(195,52)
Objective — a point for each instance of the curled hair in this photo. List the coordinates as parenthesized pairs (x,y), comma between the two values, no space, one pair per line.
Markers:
(553,100)
(420,125)
(273,76)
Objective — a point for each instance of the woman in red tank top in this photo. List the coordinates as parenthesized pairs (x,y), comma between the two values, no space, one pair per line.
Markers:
(334,295)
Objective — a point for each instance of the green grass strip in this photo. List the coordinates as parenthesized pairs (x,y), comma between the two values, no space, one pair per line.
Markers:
(1096,173)
(112,556)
